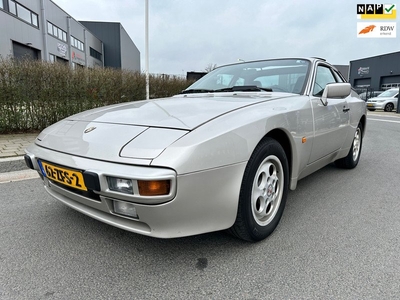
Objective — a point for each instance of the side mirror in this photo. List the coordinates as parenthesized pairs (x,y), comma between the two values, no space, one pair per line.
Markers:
(335,90)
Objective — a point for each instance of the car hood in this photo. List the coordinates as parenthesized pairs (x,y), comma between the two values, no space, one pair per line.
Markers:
(180,112)
(139,130)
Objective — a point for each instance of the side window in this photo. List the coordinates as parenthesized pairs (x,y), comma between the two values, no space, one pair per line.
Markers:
(322,78)
(338,77)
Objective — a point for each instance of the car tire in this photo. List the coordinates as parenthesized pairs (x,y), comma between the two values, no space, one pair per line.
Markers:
(389,107)
(263,192)
(353,157)
(371,109)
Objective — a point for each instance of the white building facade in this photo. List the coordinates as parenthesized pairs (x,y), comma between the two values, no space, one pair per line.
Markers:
(42,30)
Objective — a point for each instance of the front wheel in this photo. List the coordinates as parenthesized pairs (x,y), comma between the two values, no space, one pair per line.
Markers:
(263,192)
(352,158)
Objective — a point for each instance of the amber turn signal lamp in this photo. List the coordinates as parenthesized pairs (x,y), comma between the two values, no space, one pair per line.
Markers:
(154,187)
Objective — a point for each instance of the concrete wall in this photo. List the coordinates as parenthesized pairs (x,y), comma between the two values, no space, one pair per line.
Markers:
(130,55)
(109,34)
(119,49)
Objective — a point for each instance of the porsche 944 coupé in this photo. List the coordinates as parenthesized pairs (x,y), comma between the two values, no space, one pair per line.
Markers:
(220,155)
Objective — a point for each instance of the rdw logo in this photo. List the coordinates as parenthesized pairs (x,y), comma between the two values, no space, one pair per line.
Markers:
(376,29)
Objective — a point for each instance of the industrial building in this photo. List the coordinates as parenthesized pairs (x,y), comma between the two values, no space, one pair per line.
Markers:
(375,73)
(42,30)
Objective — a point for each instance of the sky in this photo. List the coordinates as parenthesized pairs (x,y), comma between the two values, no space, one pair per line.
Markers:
(191,35)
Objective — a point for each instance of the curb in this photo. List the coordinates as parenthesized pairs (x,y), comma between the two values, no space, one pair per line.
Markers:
(18,176)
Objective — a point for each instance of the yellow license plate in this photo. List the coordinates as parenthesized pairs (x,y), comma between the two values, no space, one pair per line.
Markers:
(370,104)
(63,175)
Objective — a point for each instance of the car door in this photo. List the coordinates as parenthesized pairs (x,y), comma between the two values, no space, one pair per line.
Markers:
(331,121)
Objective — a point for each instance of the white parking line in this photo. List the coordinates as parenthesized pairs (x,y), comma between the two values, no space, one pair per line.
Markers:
(18,176)
(380,120)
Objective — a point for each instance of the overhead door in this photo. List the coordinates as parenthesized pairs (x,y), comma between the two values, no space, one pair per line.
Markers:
(21,51)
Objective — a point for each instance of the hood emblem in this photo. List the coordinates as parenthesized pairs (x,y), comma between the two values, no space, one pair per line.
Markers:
(87,130)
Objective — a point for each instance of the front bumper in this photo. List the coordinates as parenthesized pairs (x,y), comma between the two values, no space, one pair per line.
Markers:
(375,105)
(203,201)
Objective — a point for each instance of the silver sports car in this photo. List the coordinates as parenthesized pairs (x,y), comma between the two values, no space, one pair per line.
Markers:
(220,155)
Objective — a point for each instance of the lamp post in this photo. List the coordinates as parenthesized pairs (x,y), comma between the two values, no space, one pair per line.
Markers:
(147,48)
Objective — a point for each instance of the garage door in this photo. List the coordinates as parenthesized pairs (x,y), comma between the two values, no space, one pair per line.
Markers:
(362,82)
(22,51)
(388,82)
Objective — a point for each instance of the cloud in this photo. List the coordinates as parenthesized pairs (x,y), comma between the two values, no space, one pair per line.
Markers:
(188,35)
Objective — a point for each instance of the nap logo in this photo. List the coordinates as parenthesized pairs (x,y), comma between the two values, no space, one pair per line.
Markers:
(376,11)
(376,30)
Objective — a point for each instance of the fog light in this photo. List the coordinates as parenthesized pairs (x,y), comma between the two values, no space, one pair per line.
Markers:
(121,185)
(125,208)
(154,187)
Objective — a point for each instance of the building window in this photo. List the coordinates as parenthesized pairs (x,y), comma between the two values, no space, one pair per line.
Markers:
(77,43)
(12,8)
(389,86)
(22,13)
(56,32)
(1,4)
(95,54)
(35,21)
(52,58)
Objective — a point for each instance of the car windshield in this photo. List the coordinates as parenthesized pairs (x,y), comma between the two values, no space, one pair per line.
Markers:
(389,93)
(282,75)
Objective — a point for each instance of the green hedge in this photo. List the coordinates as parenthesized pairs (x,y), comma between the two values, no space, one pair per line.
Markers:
(36,94)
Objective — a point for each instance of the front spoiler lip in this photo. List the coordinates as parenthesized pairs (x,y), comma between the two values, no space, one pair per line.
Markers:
(98,213)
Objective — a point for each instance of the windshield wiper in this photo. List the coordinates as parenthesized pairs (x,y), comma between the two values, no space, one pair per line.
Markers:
(192,91)
(244,88)
(237,88)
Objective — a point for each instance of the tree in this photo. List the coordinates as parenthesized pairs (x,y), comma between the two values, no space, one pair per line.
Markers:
(210,67)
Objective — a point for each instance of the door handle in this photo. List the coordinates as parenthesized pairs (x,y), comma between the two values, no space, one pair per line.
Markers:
(346,109)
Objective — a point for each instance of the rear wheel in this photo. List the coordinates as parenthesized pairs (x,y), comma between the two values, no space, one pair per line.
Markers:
(263,192)
(389,107)
(352,158)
